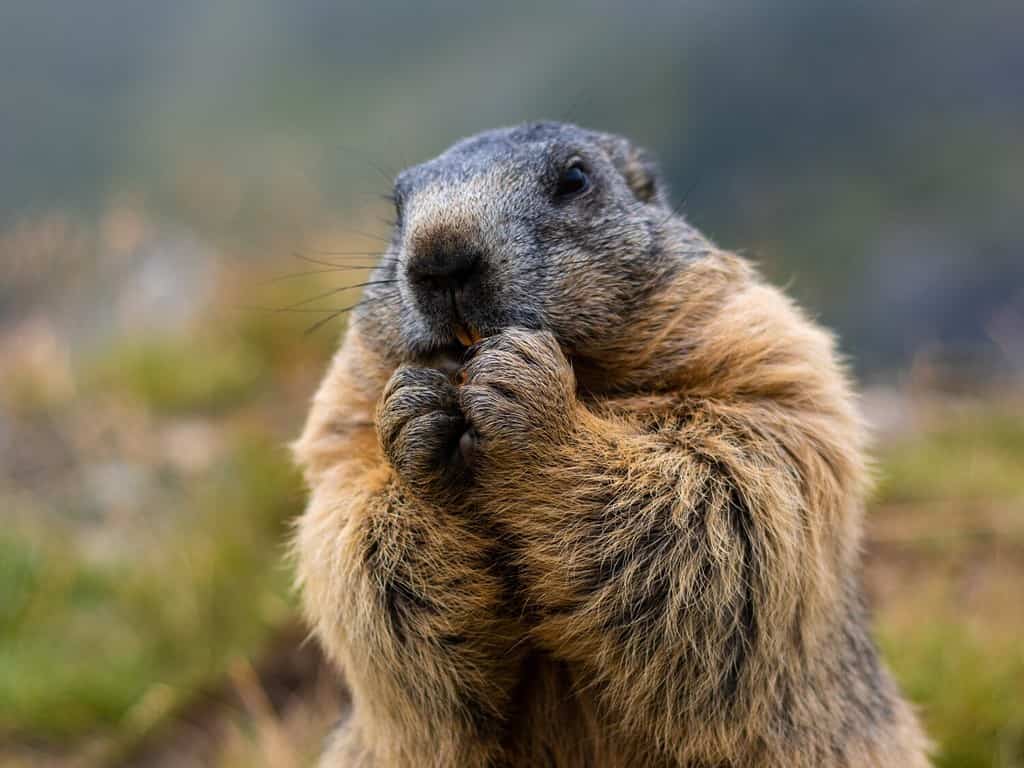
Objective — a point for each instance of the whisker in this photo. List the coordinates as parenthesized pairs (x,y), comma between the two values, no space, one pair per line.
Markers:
(334,291)
(366,254)
(686,196)
(289,310)
(308,272)
(323,321)
(323,263)
(370,235)
(293,275)
(386,173)
(292,310)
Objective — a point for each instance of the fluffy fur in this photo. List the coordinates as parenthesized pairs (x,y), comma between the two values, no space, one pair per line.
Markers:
(625,532)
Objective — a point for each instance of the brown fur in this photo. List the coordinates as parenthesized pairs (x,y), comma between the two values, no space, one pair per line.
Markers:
(726,485)
(626,537)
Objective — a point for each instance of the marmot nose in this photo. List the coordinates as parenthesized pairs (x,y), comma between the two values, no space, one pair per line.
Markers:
(445,271)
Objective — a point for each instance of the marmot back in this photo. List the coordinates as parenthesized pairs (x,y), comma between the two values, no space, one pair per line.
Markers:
(586,491)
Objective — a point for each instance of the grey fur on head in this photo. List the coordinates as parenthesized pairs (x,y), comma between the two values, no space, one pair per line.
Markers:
(484,241)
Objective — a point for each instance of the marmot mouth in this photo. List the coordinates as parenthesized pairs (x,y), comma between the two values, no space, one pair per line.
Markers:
(446,357)
(467,335)
(450,356)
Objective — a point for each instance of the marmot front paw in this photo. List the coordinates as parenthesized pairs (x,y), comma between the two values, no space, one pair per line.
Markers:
(517,394)
(419,424)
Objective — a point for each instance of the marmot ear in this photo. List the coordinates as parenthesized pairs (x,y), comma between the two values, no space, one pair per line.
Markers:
(638,168)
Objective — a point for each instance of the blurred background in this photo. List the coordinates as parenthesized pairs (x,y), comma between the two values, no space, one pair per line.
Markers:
(179,181)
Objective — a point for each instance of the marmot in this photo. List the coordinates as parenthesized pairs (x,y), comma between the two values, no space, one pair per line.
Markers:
(585,490)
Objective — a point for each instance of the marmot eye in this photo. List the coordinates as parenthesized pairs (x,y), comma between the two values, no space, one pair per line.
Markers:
(573,181)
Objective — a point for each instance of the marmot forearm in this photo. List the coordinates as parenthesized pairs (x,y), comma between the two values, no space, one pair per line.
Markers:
(648,561)
(645,564)
(402,593)
(409,608)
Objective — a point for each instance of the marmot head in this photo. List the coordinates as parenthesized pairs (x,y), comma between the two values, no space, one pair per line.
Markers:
(541,226)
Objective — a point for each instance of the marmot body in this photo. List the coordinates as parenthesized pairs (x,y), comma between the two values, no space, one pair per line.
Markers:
(622,529)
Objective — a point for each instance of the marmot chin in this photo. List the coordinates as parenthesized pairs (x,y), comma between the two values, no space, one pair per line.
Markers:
(585,490)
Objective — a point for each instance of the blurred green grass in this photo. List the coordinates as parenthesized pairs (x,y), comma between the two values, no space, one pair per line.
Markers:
(107,647)
(976,455)
(948,563)
(82,644)
(968,686)
(176,375)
